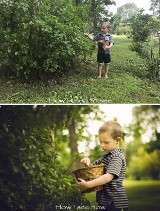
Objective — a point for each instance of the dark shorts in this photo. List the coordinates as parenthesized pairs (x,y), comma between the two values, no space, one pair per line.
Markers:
(103,58)
(110,207)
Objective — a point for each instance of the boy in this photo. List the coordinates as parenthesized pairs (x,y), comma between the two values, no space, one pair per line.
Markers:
(105,42)
(113,196)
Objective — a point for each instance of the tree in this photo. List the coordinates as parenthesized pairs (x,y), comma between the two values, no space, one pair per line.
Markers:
(115,21)
(121,20)
(155,7)
(127,11)
(143,157)
(141,27)
(98,12)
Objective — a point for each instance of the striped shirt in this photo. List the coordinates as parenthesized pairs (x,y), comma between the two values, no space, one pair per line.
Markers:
(113,191)
(107,37)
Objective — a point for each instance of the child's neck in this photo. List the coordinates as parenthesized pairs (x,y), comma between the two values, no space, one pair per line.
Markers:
(105,33)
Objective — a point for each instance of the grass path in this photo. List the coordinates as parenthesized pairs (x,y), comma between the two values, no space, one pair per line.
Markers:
(82,86)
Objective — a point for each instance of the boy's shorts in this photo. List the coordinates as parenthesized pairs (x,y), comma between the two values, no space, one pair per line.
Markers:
(103,58)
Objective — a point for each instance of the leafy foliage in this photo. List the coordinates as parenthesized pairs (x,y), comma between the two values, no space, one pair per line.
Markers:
(142,27)
(31,175)
(127,11)
(128,83)
(143,158)
(155,7)
(41,37)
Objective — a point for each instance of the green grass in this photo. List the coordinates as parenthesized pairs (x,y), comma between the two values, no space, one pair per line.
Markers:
(142,195)
(126,83)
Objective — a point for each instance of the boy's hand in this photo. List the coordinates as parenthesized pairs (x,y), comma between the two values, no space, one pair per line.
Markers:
(86,162)
(106,47)
(82,184)
(86,34)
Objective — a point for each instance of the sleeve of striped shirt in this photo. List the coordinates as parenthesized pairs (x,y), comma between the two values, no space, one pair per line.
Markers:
(115,166)
(111,39)
(97,162)
(95,38)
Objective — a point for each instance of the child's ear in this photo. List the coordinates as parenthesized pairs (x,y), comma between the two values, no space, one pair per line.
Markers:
(118,139)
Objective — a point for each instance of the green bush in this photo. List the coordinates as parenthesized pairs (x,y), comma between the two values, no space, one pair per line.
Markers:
(41,37)
(142,27)
(31,176)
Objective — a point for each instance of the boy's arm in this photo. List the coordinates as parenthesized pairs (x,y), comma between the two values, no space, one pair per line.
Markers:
(107,47)
(86,161)
(88,36)
(106,178)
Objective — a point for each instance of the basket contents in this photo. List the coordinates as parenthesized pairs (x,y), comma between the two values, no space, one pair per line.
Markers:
(90,173)
(102,44)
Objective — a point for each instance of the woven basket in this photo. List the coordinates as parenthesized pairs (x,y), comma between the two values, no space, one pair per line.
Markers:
(102,44)
(90,173)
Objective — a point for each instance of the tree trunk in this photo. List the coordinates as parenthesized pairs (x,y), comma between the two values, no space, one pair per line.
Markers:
(94,15)
(74,145)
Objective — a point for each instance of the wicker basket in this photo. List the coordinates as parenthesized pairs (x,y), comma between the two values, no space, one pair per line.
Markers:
(102,44)
(90,173)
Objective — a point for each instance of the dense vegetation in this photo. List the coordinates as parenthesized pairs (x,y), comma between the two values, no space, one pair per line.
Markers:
(39,148)
(46,59)
(33,174)
(128,82)
(41,39)
(37,40)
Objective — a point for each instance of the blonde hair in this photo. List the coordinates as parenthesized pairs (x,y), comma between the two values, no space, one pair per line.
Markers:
(113,128)
(107,24)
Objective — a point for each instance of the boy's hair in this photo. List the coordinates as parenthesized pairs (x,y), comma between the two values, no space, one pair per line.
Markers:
(107,24)
(113,128)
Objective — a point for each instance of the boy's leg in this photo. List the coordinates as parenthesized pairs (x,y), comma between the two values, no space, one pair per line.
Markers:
(100,63)
(106,70)
(107,61)
(100,70)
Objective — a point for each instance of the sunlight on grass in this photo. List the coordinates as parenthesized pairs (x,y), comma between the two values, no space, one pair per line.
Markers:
(142,195)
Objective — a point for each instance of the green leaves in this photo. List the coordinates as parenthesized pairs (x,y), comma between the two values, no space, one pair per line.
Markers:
(141,26)
(40,38)
(34,170)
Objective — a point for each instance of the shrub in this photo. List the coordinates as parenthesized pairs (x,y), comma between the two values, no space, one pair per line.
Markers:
(40,37)
(31,176)
(142,27)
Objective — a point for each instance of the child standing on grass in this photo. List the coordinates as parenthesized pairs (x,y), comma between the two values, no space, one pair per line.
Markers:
(113,196)
(105,42)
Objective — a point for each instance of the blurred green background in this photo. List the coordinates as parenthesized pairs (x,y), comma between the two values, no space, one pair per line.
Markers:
(142,195)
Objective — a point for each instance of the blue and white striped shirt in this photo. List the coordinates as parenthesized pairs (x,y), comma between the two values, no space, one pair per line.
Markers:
(113,191)
(101,36)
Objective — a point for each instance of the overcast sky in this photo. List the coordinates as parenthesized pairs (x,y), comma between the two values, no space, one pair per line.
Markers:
(145,4)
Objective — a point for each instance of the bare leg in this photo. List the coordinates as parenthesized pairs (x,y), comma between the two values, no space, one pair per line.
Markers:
(100,70)
(106,70)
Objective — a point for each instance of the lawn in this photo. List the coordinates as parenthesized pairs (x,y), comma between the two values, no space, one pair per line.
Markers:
(142,195)
(126,83)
